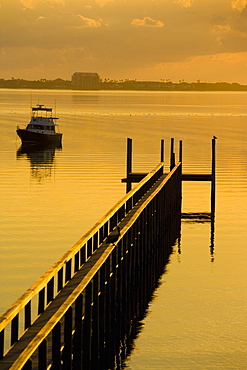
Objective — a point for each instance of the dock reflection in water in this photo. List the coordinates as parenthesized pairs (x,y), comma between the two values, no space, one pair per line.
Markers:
(203,217)
(41,158)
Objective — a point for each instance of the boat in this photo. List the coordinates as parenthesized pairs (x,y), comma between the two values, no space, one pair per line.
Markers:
(41,128)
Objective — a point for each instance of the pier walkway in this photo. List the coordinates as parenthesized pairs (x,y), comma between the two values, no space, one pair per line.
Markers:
(78,314)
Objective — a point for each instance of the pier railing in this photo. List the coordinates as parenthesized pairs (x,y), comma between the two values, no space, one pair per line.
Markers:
(77,314)
(85,324)
(20,316)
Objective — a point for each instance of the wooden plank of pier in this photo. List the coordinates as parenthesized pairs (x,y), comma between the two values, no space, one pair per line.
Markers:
(45,323)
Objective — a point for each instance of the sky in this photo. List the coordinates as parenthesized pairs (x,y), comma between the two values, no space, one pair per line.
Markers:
(174,40)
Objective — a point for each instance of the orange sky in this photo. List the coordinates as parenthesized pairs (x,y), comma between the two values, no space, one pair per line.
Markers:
(119,39)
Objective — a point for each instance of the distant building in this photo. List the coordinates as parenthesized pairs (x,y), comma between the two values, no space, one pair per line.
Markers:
(84,80)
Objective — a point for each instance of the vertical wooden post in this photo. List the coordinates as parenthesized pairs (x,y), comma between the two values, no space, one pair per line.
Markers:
(95,324)
(87,328)
(42,355)
(41,303)
(181,160)
(213,178)
(95,241)
(50,290)
(102,315)
(172,156)
(77,337)
(162,150)
(15,329)
(89,247)
(68,270)
(1,344)
(83,254)
(129,164)
(60,279)
(67,351)
(180,151)
(213,197)
(56,346)
(77,261)
(27,315)
(108,313)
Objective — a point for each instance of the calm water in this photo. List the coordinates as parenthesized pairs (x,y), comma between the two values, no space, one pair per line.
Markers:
(49,199)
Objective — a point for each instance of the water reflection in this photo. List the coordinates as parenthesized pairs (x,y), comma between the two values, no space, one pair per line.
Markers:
(135,326)
(203,217)
(41,159)
(196,217)
(212,236)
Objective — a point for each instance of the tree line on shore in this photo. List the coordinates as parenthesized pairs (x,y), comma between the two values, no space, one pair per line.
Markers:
(107,84)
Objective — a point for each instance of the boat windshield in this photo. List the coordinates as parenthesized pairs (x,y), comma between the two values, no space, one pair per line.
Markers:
(40,127)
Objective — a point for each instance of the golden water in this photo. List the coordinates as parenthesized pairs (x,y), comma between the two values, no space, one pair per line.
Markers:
(198,316)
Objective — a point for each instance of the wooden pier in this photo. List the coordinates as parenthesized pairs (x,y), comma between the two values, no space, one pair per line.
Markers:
(134,177)
(78,314)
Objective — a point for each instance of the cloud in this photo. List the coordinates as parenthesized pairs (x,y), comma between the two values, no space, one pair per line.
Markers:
(113,37)
(228,57)
(147,22)
(87,22)
(29,4)
(211,68)
(239,4)
(185,3)
(220,31)
(41,17)
(32,4)
(103,2)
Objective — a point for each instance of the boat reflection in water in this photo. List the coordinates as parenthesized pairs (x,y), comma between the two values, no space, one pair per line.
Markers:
(41,158)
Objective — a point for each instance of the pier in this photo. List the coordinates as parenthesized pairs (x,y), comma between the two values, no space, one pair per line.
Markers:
(79,313)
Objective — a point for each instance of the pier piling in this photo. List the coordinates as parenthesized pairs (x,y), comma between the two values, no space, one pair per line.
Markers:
(213,176)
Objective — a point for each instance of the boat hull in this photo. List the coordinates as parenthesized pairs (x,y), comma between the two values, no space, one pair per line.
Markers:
(36,137)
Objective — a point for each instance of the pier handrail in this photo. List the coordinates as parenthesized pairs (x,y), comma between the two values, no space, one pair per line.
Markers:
(84,277)
(85,246)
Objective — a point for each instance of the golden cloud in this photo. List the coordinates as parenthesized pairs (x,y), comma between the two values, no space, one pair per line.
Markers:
(31,4)
(239,4)
(185,3)
(219,31)
(103,2)
(231,58)
(147,22)
(88,22)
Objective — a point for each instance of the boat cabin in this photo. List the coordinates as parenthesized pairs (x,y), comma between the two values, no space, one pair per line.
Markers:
(40,127)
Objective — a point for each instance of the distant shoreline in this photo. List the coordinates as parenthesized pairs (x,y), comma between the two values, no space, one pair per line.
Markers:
(60,84)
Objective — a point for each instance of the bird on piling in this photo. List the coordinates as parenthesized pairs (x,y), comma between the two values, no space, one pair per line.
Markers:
(214,137)
(114,235)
